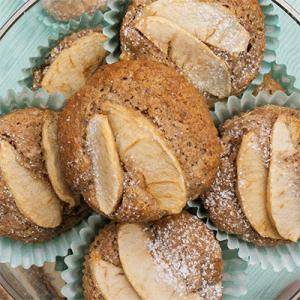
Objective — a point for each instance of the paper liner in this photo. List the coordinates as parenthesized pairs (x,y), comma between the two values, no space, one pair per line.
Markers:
(18,253)
(72,26)
(233,276)
(280,257)
(118,10)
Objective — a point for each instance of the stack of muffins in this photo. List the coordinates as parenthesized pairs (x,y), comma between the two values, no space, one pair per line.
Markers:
(135,142)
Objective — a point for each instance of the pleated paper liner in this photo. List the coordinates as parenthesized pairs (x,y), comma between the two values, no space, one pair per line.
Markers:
(279,257)
(18,253)
(233,275)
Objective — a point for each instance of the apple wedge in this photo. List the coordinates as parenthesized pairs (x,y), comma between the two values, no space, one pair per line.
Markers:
(52,162)
(294,128)
(75,65)
(108,173)
(111,280)
(210,22)
(283,191)
(202,67)
(147,278)
(140,144)
(34,197)
(251,186)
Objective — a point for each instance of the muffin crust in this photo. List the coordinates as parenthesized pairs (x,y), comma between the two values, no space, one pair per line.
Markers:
(220,199)
(166,99)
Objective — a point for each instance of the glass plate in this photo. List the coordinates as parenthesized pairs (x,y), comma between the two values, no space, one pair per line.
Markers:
(31,30)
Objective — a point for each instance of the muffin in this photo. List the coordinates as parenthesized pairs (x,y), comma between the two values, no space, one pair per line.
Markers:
(65,10)
(70,64)
(156,136)
(269,85)
(228,36)
(251,157)
(179,250)
(36,201)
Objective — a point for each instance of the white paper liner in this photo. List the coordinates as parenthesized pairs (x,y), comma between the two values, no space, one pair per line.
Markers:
(233,276)
(15,252)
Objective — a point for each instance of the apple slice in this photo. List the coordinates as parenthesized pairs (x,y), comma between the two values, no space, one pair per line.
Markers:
(111,280)
(52,161)
(210,22)
(108,173)
(34,197)
(251,186)
(147,278)
(283,182)
(294,127)
(201,66)
(141,146)
(75,65)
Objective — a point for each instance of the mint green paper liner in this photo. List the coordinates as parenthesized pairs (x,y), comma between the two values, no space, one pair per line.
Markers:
(118,10)
(18,253)
(233,276)
(280,257)
(72,26)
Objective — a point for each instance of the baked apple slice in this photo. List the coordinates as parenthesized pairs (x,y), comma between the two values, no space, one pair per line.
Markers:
(147,278)
(111,280)
(108,173)
(210,22)
(283,182)
(75,65)
(34,196)
(141,146)
(251,186)
(52,162)
(202,67)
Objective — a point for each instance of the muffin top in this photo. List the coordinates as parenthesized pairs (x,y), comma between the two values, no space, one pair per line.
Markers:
(221,199)
(167,105)
(180,246)
(21,131)
(241,68)
(65,10)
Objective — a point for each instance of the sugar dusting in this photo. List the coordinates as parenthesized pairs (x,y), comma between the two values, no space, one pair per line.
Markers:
(221,199)
(243,67)
(186,256)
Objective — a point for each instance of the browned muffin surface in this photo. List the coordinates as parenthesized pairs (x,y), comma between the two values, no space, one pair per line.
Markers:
(180,245)
(23,130)
(269,85)
(243,69)
(220,199)
(162,96)
(65,10)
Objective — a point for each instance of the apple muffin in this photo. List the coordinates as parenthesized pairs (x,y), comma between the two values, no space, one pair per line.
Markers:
(217,44)
(176,257)
(255,194)
(36,202)
(65,10)
(138,141)
(70,64)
